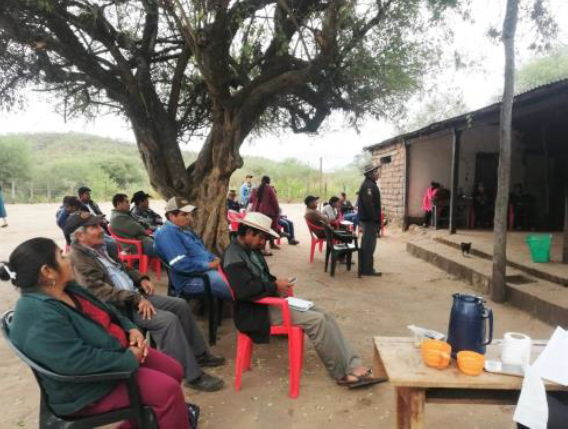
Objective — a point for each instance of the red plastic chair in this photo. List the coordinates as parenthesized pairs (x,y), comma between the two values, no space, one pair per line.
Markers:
(295,344)
(315,239)
(234,218)
(129,258)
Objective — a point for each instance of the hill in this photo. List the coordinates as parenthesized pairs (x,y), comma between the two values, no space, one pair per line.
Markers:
(47,166)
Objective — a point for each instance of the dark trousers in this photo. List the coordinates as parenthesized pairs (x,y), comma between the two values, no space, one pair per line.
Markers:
(427,217)
(557,413)
(368,246)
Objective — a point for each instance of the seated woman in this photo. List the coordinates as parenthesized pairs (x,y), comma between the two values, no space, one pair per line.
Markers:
(63,327)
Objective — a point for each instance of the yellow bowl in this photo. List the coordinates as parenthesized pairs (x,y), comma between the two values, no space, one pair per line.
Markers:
(436,353)
(470,363)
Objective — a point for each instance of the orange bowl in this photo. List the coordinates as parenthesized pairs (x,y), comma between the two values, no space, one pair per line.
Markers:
(436,353)
(470,363)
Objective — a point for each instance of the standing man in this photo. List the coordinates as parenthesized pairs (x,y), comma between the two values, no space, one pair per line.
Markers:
(246,191)
(370,218)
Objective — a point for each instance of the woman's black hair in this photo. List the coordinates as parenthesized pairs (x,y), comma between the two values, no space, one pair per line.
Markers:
(25,263)
(263,182)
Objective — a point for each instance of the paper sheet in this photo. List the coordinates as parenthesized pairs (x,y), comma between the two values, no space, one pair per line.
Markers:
(552,365)
(299,304)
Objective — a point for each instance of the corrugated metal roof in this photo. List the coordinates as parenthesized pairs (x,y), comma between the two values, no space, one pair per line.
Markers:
(523,97)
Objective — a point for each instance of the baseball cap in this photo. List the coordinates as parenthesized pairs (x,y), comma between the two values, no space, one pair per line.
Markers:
(83,189)
(309,199)
(78,219)
(139,196)
(178,203)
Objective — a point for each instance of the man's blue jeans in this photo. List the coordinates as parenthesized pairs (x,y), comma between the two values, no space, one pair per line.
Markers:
(219,287)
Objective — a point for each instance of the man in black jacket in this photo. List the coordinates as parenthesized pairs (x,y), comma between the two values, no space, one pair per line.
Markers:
(370,218)
(250,280)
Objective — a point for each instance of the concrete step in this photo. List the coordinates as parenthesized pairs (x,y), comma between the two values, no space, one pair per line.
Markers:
(547,301)
(532,270)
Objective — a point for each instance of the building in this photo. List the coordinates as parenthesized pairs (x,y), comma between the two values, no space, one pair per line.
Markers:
(463,151)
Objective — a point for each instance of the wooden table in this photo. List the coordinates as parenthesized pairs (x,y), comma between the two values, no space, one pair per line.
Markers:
(416,384)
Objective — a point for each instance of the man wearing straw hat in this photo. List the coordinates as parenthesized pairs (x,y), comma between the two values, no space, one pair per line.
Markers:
(370,218)
(250,279)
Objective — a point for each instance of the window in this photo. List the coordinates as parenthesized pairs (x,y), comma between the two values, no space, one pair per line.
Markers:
(386,159)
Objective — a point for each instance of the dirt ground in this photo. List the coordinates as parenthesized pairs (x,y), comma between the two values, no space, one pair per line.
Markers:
(410,292)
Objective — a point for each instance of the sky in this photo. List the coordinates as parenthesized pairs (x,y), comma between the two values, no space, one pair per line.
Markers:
(337,144)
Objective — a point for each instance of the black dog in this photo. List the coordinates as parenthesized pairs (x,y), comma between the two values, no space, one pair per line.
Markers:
(466,249)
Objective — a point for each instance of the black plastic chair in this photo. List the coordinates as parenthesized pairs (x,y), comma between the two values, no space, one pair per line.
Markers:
(339,244)
(214,305)
(48,419)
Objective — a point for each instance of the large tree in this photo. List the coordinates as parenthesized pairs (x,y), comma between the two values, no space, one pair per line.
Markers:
(219,70)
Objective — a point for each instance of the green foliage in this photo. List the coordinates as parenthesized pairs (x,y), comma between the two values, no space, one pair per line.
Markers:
(543,70)
(15,159)
(62,162)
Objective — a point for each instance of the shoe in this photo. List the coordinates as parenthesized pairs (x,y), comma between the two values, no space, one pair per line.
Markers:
(210,360)
(293,242)
(206,383)
(193,412)
(274,247)
(373,274)
(284,234)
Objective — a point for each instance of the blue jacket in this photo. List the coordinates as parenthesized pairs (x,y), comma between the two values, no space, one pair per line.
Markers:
(61,217)
(183,250)
(246,191)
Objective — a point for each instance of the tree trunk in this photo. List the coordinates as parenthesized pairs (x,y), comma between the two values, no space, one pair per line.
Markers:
(498,284)
(205,183)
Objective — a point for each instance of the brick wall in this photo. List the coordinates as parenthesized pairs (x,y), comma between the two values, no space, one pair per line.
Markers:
(392,181)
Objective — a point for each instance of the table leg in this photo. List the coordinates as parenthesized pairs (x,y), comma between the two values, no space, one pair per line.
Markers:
(410,408)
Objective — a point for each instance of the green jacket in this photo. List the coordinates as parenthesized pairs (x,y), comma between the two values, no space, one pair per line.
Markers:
(65,341)
(125,226)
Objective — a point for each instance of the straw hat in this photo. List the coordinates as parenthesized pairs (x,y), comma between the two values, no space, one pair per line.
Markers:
(260,222)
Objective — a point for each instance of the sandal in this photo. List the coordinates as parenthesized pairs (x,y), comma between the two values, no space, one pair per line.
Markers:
(361,380)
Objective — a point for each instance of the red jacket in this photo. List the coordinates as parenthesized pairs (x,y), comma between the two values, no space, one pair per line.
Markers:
(268,205)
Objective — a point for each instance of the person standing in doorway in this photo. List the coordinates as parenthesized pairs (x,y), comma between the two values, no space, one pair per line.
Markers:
(370,218)
(3,213)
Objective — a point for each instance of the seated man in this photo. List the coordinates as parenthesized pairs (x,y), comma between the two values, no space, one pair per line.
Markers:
(71,204)
(347,209)
(185,252)
(288,228)
(123,224)
(168,319)
(88,205)
(142,213)
(250,280)
(316,218)
(330,211)
(232,203)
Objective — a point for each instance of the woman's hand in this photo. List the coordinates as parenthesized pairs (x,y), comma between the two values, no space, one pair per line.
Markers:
(138,341)
(138,353)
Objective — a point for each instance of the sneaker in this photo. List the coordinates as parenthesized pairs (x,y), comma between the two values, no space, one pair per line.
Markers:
(293,242)
(206,383)
(207,359)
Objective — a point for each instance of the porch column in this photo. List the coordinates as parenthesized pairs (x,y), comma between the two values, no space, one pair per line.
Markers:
(456,141)
(406,182)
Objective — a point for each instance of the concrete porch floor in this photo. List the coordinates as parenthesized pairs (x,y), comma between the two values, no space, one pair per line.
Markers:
(518,253)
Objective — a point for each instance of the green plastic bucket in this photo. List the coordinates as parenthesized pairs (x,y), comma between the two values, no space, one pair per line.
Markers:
(539,245)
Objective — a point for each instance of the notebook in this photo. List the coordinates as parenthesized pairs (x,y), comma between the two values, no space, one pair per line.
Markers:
(299,304)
